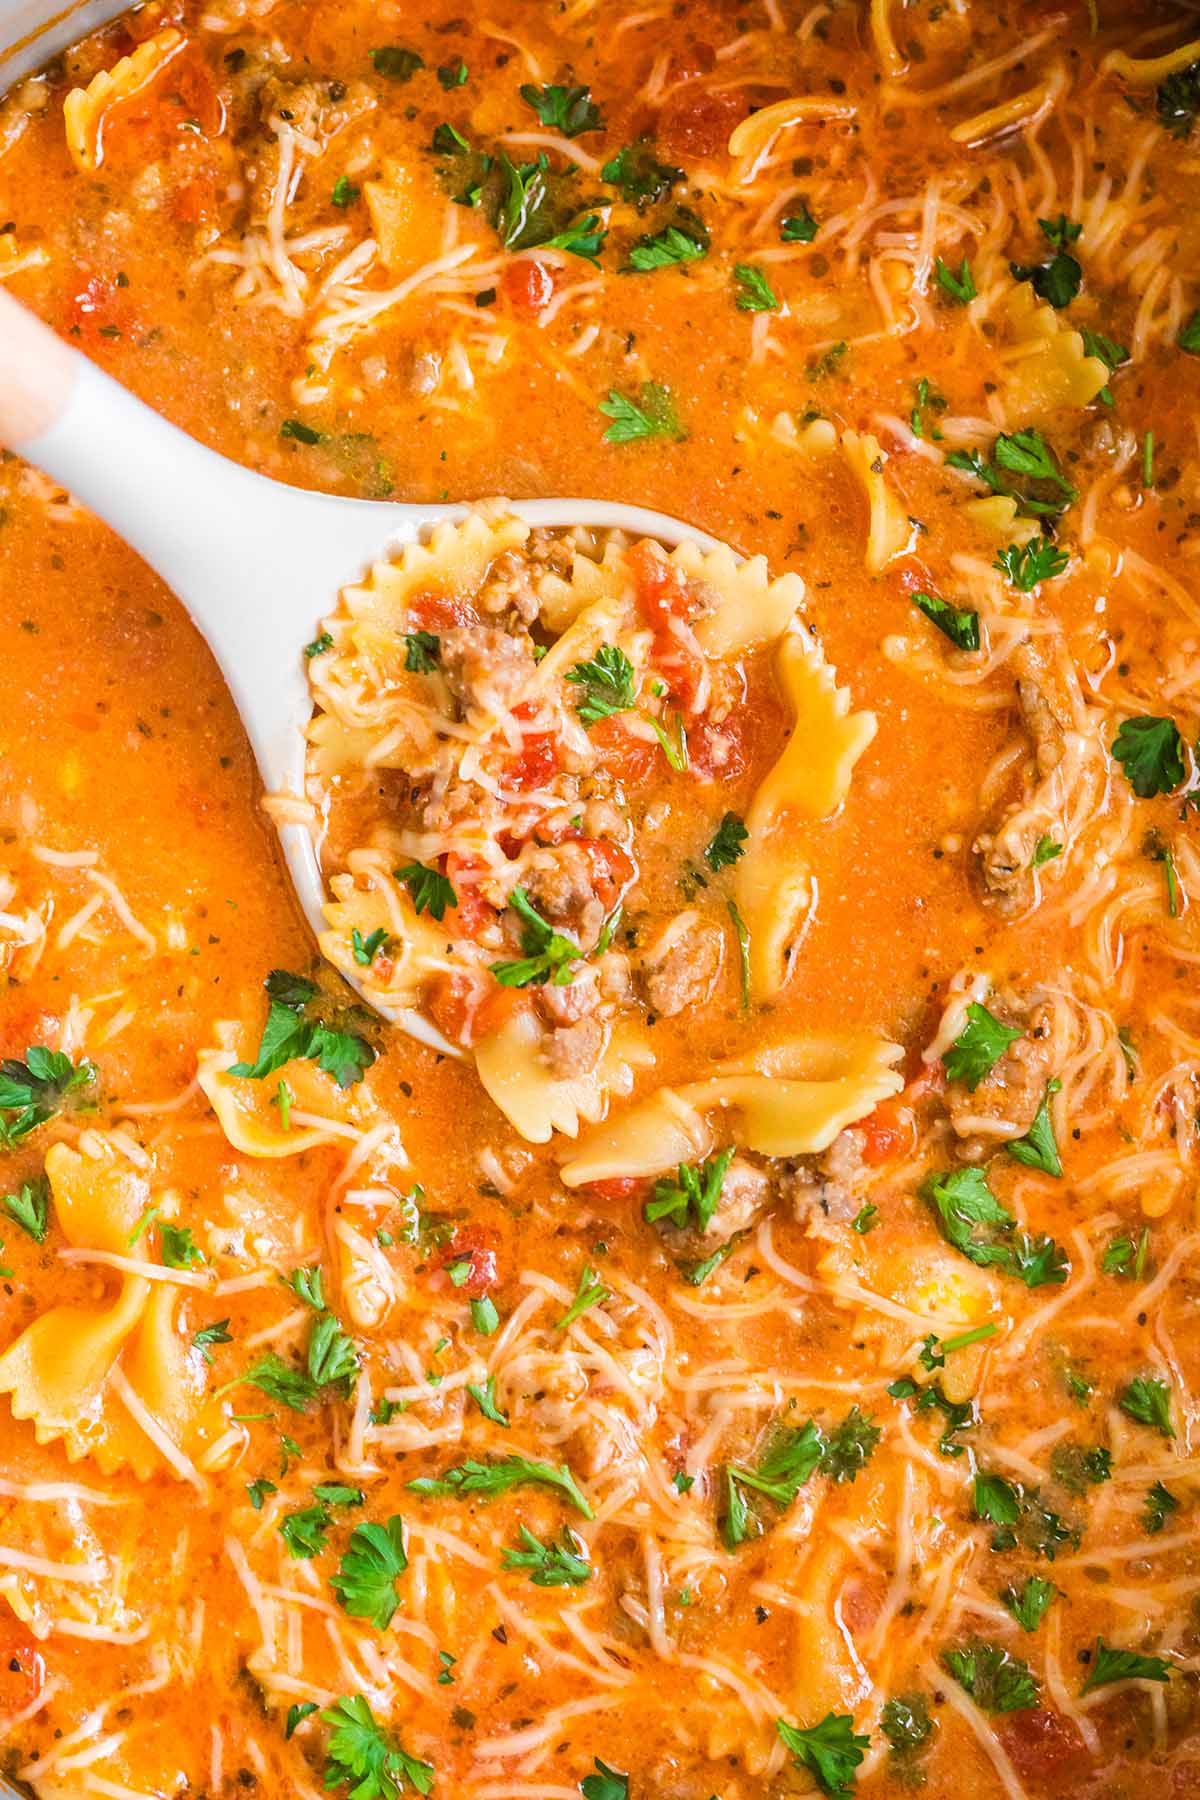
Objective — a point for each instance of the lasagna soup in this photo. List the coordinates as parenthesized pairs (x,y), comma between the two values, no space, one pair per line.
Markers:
(691,1289)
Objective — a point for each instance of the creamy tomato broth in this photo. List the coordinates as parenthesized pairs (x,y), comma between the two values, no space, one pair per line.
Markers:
(762,1358)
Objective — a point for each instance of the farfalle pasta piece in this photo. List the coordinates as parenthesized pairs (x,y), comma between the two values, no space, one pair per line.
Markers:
(248,1111)
(1047,365)
(404,216)
(790,1099)
(366,901)
(810,781)
(84,109)
(514,1071)
(996,517)
(750,606)
(890,532)
(62,1372)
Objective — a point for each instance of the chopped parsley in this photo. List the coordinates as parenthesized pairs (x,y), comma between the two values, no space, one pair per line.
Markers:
(1150,751)
(550,1565)
(1025,455)
(607,683)
(421,651)
(1077,1469)
(179,1251)
(752,291)
(978,1047)
(1030,1603)
(366,949)
(1045,851)
(793,1454)
(548,953)
(452,74)
(304,1532)
(605,1784)
(727,843)
(830,1751)
(1125,1257)
(958,624)
(319,645)
(865,1219)
(365,1582)
(34,1090)
(428,889)
(973,1220)
(650,414)
(307,1286)
(344,192)
(1038,1148)
(1177,101)
(208,1335)
(588,1292)
(396,63)
(498,1475)
(850,1446)
(566,109)
(30,1208)
(303,434)
(667,248)
(1189,334)
(995,1680)
(1028,564)
(296,1715)
(798,226)
(1160,1504)
(961,287)
(295,1030)
(360,1752)
(1060,279)
(257,1491)
(1110,353)
(1148,1400)
(1019,1517)
(908,1728)
(741,932)
(639,175)
(534,211)
(692,1198)
(485,1399)
(1123,1665)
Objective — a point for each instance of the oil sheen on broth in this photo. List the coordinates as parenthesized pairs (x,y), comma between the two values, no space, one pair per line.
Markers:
(763,1360)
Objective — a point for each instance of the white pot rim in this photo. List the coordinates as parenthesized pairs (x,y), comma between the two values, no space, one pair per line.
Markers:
(32,31)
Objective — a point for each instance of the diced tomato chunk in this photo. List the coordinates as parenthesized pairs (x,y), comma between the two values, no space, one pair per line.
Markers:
(885,1134)
(537,759)
(612,869)
(528,286)
(1040,1744)
(97,308)
(22,1672)
(697,121)
(662,588)
(618,1190)
(464,1012)
(627,757)
(717,752)
(472,1244)
(183,99)
(435,610)
(472,912)
(689,61)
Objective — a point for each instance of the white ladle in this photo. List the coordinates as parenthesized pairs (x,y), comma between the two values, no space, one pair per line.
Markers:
(256,563)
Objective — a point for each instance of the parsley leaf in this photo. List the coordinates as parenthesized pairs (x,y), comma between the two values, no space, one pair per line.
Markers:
(34,1090)
(651,414)
(178,1249)
(1189,334)
(428,889)
(1045,851)
(216,1333)
(361,1751)
(281,1382)
(963,1201)
(753,292)
(793,1454)
(1029,1604)
(396,63)
(421,651)
(961,287)
(1057,281)
(958,624)
(1150,751)
(1177,101)
(865,1219)
(978,1047)
(496,1476)
(667,248)
(344,192)
(727,843)
(588,1292)
(605,1784)
(1019,1516)
(307,1286)
(607,681)
(550,1565)
(365,1582)
(831,1751)
(534,210)
(799,227)
(548,953)
(693,1198)
(1077,1469)
(304,1532)
(296,1715)
(452,74)
(332,1359)
(1148,1400)
(299,431)
(906,1724)
(1027,455)
(485,1399)
(1123,1665)
(850,1447)
(1028,564)
(1160,1503)
(257,1492)
(31,1207)
(1038,1148)
(996,1681)
(366,949)
(639,175)
(291,1032)
(566,109)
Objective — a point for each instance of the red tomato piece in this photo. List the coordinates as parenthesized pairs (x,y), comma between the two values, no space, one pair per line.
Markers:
(1040,1744)
(627,757)
(662,588)
(615,1192)
(464,1016)
(472,1244)
(612,869)
(528,286)
(472,912)
(22,1671)
(885,1134)
(97,308)
(435,611)
(697,122)
(717,752)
